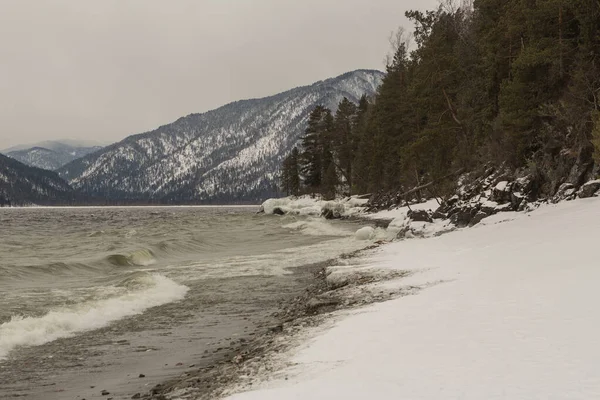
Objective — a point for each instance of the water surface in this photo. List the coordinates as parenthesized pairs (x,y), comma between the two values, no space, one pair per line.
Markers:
(91,296)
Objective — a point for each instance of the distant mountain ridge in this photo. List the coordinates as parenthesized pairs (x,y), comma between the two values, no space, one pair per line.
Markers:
(228,155)
(22,185)
(50,155)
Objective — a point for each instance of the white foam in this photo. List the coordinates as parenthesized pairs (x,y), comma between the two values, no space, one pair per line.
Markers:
(317,227)
(365,233)
(31,331)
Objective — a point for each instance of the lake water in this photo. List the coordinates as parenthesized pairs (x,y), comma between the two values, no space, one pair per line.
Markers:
(92,297)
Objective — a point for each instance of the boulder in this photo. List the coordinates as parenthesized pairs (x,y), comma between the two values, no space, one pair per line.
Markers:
(583,166)
(332,211)
(501,193)
(463,217)
(439,215)
(419,216)
(478,218)
(589,189)
(566,191)
(278,211)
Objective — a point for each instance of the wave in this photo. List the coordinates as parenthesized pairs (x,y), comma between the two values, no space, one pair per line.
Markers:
(318,227)
(140,258)
(153,290)
(54,269)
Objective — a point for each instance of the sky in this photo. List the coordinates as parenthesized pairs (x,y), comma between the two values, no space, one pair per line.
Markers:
(102,70)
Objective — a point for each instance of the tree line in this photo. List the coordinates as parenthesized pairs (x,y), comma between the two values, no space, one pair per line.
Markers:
(503,81)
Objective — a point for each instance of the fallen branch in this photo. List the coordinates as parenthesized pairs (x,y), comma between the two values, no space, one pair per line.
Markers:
(422,187)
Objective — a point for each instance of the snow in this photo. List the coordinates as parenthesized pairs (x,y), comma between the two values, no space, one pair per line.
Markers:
(501,311)
(314,206)
(501,186)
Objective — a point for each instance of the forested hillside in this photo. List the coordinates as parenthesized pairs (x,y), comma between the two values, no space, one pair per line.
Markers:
(24,185)
(502,82)
(228,155)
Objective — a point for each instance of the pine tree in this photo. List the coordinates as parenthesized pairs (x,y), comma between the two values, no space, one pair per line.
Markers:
(344,140)
(314,142)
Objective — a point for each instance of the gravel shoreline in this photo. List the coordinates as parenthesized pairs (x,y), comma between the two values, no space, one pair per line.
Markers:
(248,361)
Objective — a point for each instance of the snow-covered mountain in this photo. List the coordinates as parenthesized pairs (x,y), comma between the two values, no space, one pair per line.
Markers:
(231,154)
(51,155)
(21,184)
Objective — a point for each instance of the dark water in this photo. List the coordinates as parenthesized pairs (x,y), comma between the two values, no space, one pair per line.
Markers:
(93,296)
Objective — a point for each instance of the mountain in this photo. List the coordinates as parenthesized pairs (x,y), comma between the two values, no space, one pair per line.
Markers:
(21,184)
(51,155)
(228,155)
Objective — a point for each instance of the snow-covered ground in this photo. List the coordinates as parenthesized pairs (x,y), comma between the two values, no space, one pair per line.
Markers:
(314,206)
(505,310)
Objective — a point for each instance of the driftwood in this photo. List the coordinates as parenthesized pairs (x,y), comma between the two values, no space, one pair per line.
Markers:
(427,185)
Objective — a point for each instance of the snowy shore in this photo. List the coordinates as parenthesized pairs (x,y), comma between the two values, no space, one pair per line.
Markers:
(504,310)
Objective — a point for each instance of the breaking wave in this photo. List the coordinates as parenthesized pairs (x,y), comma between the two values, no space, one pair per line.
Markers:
(138,258)
(318,227)
(150,291)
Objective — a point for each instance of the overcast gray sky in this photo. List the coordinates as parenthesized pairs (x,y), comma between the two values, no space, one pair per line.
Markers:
(106,69)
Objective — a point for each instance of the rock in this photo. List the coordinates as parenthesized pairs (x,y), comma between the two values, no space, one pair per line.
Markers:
(419,216)
(589,189)
(463,217)
(137,396)
(328,214)
(501,193)
(332,211)
(583,166)
(439,215)
(141,376)
(105,393)
(276,329)
(566,191)
(478,218)
(315,303)
(278,211)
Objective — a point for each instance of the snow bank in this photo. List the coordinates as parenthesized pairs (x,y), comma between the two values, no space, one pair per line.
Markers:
(314,206)
(505,311)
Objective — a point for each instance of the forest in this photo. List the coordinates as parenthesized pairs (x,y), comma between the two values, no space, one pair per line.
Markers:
(503,82)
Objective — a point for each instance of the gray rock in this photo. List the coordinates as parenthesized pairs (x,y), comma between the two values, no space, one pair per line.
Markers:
(419,216)
(332,211)
(328,214)
(502,193)
(316,303)
(463,217)
(589,189)
(478,218)
(278,211)
(566,191)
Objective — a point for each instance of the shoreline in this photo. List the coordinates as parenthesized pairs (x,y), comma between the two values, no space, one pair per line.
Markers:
(328,296)
(242,366)
(456,337)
